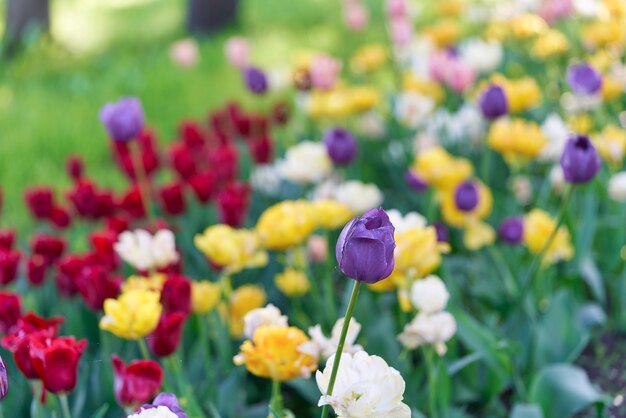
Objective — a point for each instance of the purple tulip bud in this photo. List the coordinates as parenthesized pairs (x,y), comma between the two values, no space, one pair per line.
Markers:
(466,196)
(4,380)
(415,182)
(365,247)
(584,79)
(168,400)
(511,230)
(580,160)
(493,102)
(255,80)
(341,145)
(442,232)
(123,120)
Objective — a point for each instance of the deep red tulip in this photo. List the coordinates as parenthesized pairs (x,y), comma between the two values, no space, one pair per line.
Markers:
(181,160)
(40,201)
(150,161)
(74,166)
(69,267)
(280,113)
(132,204)
(10,311)
(103,243)
(259,125)
(9,262)
(232,203)
(95,285)
(118,223)
(192,135)
(203,185)
(221,122)
(261,149)
(60,217)
(173,198)
(36,267)
(7,239)
(106,204)
(51,248)
(84,197)
(223,160)
(137,382)
(164,340)
(176,294)
(56,362)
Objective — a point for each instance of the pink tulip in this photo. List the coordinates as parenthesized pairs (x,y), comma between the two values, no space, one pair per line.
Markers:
(553,10)
(401,30)
(237,51)
(460,76)
(356,16)
(324,71)
(397,8)
(439,64)
(185,53)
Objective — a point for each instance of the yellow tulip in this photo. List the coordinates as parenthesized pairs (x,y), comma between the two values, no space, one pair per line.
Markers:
(418,253)
(286,224)
(133,315)
(368,58)
(611,144)
(233,249)
(153,283)
(550,44)
(205,296)
(456,217)
(518,140)
(292,283)
(432,89)
(330,214)
(522,94)
(440,169)
(478,235)
(443,33)
(243,300)
(528,25)
(538,226)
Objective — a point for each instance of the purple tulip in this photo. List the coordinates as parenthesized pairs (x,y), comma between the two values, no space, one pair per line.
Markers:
(168,400)
(493,102)
(442,232)
(580,160)
(584,79)
(4,380)
(123,120)
(365,247)
(415,182)
(466,196)
(511,230)
(341,146)
(255,80)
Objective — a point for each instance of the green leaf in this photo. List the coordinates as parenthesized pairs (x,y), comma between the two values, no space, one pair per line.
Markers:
(563,390)
(307,388)
(523,410)
(592,276)
(101,411)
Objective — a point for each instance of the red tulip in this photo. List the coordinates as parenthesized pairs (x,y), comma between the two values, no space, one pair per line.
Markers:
(36,267)
(232,203)
(7,239)
(259,125)
(49,247)
(203,185)
(164,340)
(132,204)
(69,267)
(74,166)
(261,149)
(280,113)
(118,223)
(176,294)
(221,122)
(84,198)
(192,135)
(137,382)
(95,285)
(10,311)
(106,203)
(173,198)
(9,262)
(103,243)
(60,217)
(40,201)
(181,160)
(223,160)
(56,362)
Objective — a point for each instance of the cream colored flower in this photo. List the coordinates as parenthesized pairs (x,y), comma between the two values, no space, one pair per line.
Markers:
(557,132)
(482,56)
(403,223)
(366,387)
(145,251)
(323,347)
(617,187)
(306,162)
(429,294)
(429,329)
(270,315)
(413,108)
(359,197)
(158,412)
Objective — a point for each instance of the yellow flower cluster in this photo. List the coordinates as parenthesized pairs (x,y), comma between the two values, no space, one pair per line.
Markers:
(152,283)
(443,33)
(368,58)
(611,144)
(233,249)
(605,33)
(243,300)
(528,25)
(518,140)
(418,253)
(430,88)
(550,44)
(292,283)
(538,226)
(456,217)
(522,94)
(440,169)
(273,353)
(342,101)
(133,315)
(205,296)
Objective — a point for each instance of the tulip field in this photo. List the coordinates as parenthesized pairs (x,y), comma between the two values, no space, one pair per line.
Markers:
(404,209)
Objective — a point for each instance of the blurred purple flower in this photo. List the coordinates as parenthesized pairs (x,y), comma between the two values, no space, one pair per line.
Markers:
(123,120)
(255,80)
(466,196)
(580,160)
(493,102)
(341,145)
(584,79)
(511,230)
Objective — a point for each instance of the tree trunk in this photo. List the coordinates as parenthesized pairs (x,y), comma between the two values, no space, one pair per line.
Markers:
(206,16)
(22,15)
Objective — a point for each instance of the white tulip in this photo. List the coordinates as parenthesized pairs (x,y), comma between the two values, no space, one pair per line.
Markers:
(366,387)
(617,187)
(323,347)
(158,412)
(429,329)
(557,132)
(429,294)
(403,223)
(360,197)
(262,317)
(413,108)
(557,178)
(306,162)
(482,56)
(145,251)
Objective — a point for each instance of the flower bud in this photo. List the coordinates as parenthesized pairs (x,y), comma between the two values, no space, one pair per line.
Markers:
(493,102)
(255,80)
(341,146)
(466,196)
(511,230)
(580,160)
(137,382)
(124,119)
(584,79)
(74,166)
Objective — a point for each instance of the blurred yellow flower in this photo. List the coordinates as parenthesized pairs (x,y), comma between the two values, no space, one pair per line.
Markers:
(611,88)
(418,253)
(342,101)
(456,217)
(153,283)
(395,280)
(243,300)
(429,88)
(522,94)
(604,33)
(615,7)
(273,353)
(478,235)
(538,226)
(133,315)
(611,144)
(292,283)
(443,33)
(582,123)
(205,296)
(450,7)
(368,58)
(330,214)
(233,249)
(549,44)
(518,140)
(286,224)
(528,25)
(440,169)
(497,31)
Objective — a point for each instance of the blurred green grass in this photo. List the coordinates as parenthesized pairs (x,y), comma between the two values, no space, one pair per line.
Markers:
(51,93)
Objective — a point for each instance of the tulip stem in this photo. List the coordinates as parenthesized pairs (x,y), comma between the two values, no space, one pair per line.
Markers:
(342,340)
(276,403)
(65,406)
(143,348)
(142,180)
(432,382)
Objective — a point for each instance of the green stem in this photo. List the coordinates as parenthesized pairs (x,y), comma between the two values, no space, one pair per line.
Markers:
(342,341)
(142,179)
(208,357)
(509,280)
(195,409)
(65,406)
(276,403)
(143,348)
(432,382)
